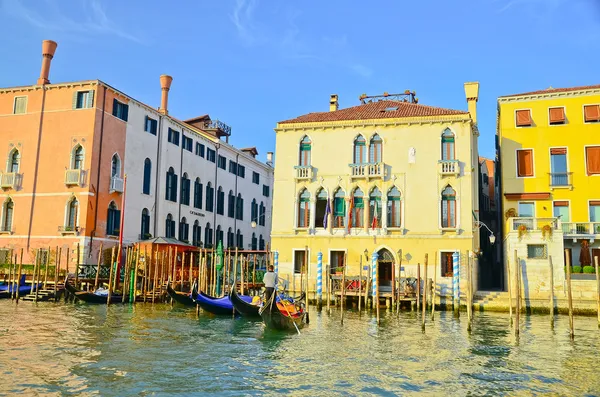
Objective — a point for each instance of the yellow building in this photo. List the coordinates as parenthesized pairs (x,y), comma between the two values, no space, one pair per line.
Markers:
(549,155)
(389,176)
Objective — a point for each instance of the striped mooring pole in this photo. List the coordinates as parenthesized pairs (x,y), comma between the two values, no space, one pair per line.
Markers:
(374,258)
(456,280)
(320,277)
(276,262)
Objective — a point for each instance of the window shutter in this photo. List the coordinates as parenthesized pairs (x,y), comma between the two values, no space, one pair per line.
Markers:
(595,202)
(523,118)
(75,100)
(174,188)
(557,115)
(592,112)
(125,112)
(560,150)
(561,203)
(525,163)
(115,104)
(593,159)
(90,99)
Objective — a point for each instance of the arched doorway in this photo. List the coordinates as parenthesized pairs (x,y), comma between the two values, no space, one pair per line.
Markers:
(385,267)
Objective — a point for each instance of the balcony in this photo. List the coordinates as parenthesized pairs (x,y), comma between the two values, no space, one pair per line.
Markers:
(116,185)
(303,172)
(218,128)
(10,180)
(561,180)
(68,230)
(533,224)
(6,229)
(74,177)
(367,171)
(580,229)
(449,167)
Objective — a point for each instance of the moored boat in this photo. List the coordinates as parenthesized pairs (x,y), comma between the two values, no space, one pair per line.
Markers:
(284,315)
(91,297)
(242,306)
(180,297)
(220,306)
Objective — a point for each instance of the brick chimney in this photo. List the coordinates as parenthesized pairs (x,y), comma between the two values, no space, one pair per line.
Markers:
(333,103)
(48,49)
(165,85)
(472,94)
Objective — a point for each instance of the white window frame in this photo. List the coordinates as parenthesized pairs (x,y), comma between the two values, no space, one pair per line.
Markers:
(517,163)
(585,170)
(530,115)
(588,209)
(15,104)
(527,202)
(440,252)
(565,113)
(294,250)
(66,217)
(583,113)
(570,214)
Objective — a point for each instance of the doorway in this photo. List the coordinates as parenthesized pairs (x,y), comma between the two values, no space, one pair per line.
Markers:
(385,267)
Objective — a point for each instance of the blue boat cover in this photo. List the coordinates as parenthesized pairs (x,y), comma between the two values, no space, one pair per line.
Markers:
(223,302)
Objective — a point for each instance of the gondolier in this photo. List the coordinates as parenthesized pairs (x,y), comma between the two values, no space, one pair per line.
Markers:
(270,279)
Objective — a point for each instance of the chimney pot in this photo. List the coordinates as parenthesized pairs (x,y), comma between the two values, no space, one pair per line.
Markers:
(48,50)
(472,94)
(165,85)
(333,103)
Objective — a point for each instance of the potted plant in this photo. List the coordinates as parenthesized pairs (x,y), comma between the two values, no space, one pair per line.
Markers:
(147,236)
(522,229)
(546,232)
(339,271)
(68,229)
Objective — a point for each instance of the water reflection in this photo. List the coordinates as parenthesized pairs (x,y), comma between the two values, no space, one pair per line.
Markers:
(66,349)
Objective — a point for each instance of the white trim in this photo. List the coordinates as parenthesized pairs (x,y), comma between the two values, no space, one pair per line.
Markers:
(550,164)
(569,207)
(585,170)
(118,175)
(583,113)
(440,261)
(73,150)
(517,163)
(530,116)
(329,250)
(67,207)
(91,194)
(588,209)
(526,202)
(564,112)
(9,159)
(6,201)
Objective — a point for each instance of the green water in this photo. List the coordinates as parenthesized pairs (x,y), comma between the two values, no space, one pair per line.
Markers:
(79,349)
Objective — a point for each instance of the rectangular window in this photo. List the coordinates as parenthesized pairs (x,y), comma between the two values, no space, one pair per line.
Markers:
(83,99)
(591,113)
(199,149)
(187,143)
(527,210)
(595,211)
(561,209)
(537,251)
(222,162)
(173,136)
(120,110)
(523,118)
(299,259)
(524,162)
(210,155)
(20,106)
(255,178)
(265,190)
(447,267)
(150,125)
(304,154)
(558,167)
(241,171)
(592,160)
(557,115)
(232,167)
(336,261)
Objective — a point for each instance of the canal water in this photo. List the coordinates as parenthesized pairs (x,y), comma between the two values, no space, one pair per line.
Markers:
(78,349)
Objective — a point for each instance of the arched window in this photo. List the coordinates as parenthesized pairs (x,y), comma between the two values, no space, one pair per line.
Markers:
(208,236)
(231,204)
(184,230)
(219,235)
(171,192)
(7,215)
(230,238)
(358,208)
(115,170)
(254,211)
(339,208)
(14,160)
(261,243)
(220,201)
(72,213)
(147,176)
(360,150)
(375,149)
(185,189)
(393,208)
(239,237)
(254,246)
(448,208)
(304,209)
(261,214)
(305,145)
(448,145)
(375,208)
(210,197)
(197,194)
(196,233)
(239,208)
(170,227)
(145,227)
(321,211)
(113,220)
(77,158)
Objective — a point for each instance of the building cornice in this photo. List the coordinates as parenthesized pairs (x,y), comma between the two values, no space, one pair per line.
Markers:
(550,95)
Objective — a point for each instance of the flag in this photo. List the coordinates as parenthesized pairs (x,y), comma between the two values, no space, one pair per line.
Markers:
(327,212)
(350,208)
(375,220)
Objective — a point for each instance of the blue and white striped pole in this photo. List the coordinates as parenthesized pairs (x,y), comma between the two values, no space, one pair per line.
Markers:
(456,280)
(319,277)
(374,258)
(276,262)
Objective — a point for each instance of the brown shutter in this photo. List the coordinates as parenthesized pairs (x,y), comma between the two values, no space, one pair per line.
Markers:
(592,112)
(593,159)
(523,118)
(525,163)
(557,115)
(597,202)
(558,150)
(561,203)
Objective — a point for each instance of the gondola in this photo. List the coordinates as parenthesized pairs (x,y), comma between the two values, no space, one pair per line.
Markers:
(220,306)
(91,297)
(282,317)
(7,289)
(243,307)
(180,297)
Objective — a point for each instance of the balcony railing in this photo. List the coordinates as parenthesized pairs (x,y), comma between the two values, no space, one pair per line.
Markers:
(561,179)
(449,167)
(367,170)
(574,229)
(533,224)
(74,177)
(6,229)
(116,184)
(68,229)
(9,180)
(303,172)
(219,126)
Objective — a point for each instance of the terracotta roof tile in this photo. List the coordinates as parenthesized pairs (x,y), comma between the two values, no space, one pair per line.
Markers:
(553,90)
(375,110)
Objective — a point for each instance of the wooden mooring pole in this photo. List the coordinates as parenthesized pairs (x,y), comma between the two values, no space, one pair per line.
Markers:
(424,293)
(343,288)
(597,288)
(360,285)
(469,291)
(20,269)
(110,275)
(569,295)
(518,290)
(98,267)
(510,281)
(434,289)
(56,272)
(418,288)
(551,306)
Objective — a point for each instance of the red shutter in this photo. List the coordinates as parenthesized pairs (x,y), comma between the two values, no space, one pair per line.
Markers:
(561,203)
(523,118)
(592,155)
(557,115)
(592,112)
(525,163)
(558,150)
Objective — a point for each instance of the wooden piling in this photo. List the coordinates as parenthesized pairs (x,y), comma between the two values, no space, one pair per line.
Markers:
(369,288)
(20,269)
(400,256)
(11,275)
(424,314)
(434,289)
(39,267)
(377,291)
(191,275)
(56,272)
(469,292)
(77,267)
(418,287)
(110,275)
(597,288)
(343,288)
(182,269)
(98,267)
(510,297)
(35,264)
(551,307)
(360,284)
(569,295)
(518,291)
(328,283)
(135,274)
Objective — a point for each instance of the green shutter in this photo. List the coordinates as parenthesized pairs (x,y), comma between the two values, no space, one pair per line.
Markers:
(90,99)
(359,202)
(75,100)
(305,146)
(339,206)
(447,139)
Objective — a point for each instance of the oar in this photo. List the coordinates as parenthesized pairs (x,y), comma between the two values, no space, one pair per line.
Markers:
(289,314)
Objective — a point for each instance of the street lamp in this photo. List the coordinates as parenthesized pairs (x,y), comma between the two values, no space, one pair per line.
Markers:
(366,254)
(479,224)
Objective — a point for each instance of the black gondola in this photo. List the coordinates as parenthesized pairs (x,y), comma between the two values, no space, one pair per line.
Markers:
(276,316)
(180,297)
(241,306)
(90,297)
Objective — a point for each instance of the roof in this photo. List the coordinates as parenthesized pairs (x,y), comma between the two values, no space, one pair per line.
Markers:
(252,150)
(376,110)
(551,90)
(489,164)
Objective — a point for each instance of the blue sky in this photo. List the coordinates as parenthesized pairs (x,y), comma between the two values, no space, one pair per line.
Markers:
(252,63)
